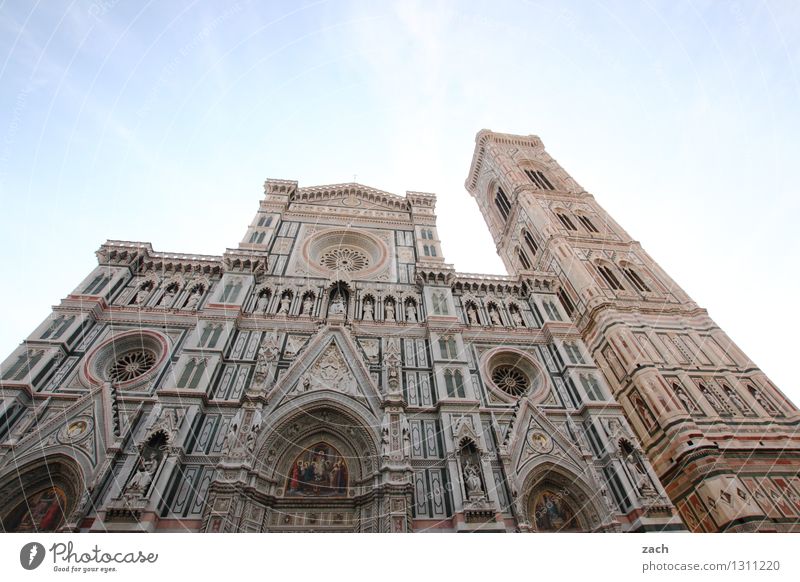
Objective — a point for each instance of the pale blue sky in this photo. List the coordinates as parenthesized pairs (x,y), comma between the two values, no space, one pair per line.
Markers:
(159,122)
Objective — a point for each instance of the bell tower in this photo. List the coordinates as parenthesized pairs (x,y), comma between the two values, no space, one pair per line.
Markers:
(722,437)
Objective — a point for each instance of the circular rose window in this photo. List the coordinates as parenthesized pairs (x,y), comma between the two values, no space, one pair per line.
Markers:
(511,374)
(129,359)
(511,380)
(345,259)
(131,365)
(345,252)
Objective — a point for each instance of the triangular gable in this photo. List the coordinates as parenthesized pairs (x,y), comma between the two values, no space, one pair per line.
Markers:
(86,425)
(330,363)
(537,437)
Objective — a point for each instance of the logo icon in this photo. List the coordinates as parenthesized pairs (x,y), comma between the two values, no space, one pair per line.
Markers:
(31,555)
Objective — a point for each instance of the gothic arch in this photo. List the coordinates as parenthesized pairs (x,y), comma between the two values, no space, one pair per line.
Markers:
(569,502)
(352,434)
(41,494)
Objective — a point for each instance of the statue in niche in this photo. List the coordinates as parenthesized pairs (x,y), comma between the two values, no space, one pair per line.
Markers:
(712,399)
(369,310)
(142,293)
(736,399)
(494,315)
(233,429)
(406,434)
(644,413)
(267,355)
(263,300)
(516,317)
(284,305)
(308,305)
(684,398)
(472,481)
(386,445)
(411,311)
(762,400)
(337,305)
(194,298)
(389,310)
(472,315)
(638,472)
(169,296)
(143,477)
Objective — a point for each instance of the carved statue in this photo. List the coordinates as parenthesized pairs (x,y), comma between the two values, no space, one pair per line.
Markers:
(193,300)
(143,477)
(516,317)
(472,481)
(337,305)
(266,357)
(411,312)
(687,402)
(168,297)
(261,304)
(369,311)
(285,302)
(638,474)
(494,315)
(472,315)
(141,295)
(762,400)
(308,305)
(386,445)
(712,399)
(736,399)
(389,311)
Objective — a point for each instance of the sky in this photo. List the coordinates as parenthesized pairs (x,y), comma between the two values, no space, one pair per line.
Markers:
(160,121)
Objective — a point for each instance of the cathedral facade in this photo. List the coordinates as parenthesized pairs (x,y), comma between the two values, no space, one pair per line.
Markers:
(334,373)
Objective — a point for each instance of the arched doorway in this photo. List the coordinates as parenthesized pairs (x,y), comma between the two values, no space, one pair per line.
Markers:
(322,463)
(40,496)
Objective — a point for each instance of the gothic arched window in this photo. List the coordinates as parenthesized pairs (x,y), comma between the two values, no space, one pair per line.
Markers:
(587,224)
(532,246)
(523,259)
(539,179)
(610,278)
(566,221)
(502,203)
(635,279)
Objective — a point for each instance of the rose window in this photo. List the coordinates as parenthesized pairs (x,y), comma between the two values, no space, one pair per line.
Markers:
(344,259)
(131,365)
(510,380)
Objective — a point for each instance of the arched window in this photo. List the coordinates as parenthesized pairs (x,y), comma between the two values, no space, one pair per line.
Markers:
(569,307)
(502,203)
(448,383)
(261,236)
(426,250)
(430,234)
(433,251)
(587,224)
(458,378)
(424,234)
(539,179)
(610,278)
(566,221)
(532,246)
(523,259)
(635,279)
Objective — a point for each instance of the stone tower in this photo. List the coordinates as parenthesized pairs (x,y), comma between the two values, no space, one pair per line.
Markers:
(722,438)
